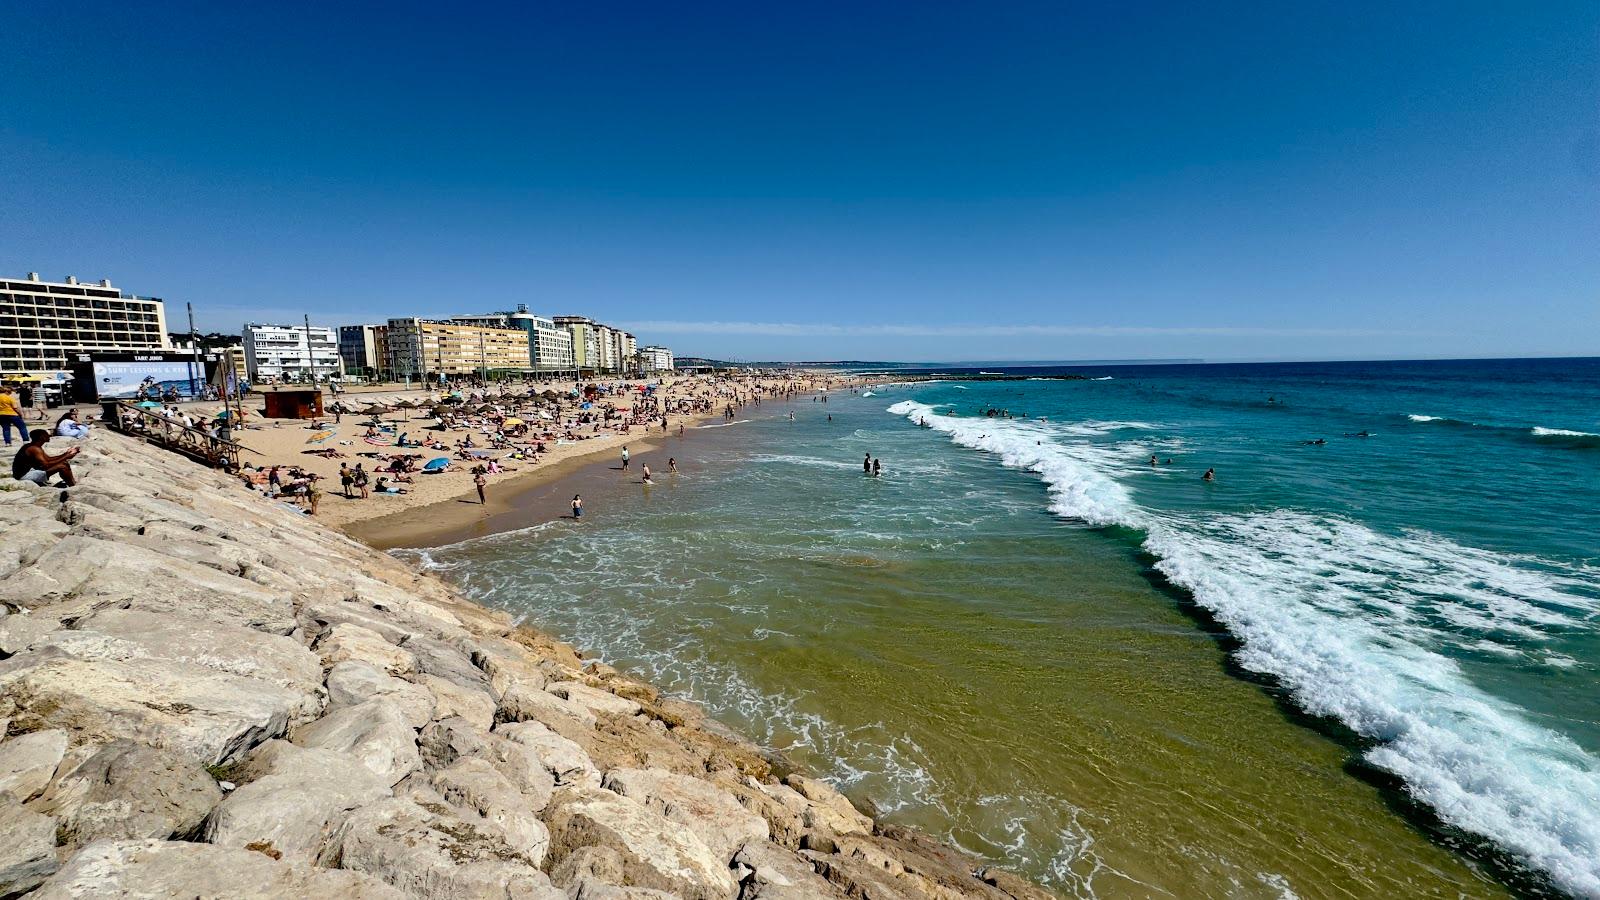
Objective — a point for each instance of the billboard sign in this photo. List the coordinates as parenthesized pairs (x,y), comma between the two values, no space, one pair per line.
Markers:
(127,380)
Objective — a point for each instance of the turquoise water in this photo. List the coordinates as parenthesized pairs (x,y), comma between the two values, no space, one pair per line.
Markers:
(1355,668)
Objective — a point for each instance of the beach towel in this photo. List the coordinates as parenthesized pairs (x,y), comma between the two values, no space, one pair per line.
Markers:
(319,437)
(376,440)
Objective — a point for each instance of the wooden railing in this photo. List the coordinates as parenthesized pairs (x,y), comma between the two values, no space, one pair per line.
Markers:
(130,418)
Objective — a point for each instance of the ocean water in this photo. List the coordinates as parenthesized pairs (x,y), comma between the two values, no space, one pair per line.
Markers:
(1368,667)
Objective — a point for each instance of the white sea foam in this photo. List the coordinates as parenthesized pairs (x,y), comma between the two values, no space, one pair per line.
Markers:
(1358,626)
(1416,418)
(1103,378)
(1561,432)
(868,394)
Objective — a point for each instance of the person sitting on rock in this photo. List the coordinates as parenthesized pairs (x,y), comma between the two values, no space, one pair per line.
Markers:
(33,464)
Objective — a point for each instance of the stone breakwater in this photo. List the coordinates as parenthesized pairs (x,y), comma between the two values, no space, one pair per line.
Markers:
(205,694)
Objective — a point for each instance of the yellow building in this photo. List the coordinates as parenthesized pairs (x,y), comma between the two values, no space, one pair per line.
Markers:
(419,348)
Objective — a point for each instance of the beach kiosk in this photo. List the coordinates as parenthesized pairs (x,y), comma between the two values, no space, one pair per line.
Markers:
(294,404)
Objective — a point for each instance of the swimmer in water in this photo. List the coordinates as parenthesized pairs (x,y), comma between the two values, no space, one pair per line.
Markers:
(647,474)
(1210,475)
(1153,460)
(1316,443)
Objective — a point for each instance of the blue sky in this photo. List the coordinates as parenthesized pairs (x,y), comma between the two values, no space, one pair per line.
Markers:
(915,181)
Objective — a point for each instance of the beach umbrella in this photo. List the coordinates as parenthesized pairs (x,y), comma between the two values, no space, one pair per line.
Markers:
(438,464)
(512,420)
(407,406)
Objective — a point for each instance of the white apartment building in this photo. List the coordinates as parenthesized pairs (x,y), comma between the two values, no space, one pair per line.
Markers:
(585,347)
(276,352)
(627,349)
(606,343)
(655,359)
(46,325)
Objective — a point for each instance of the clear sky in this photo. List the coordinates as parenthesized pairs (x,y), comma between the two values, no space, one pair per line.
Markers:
(924,181)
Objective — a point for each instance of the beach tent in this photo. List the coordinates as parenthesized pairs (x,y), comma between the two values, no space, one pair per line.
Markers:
(436,465)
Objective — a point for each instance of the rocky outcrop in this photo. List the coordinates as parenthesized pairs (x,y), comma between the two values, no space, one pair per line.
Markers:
(203,693)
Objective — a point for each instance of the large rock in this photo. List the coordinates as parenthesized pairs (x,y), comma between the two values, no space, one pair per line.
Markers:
(714,815)
(154,869)
(506,664)
(27,763)
(374,732)
(346,641)
(209,715)
(430,853)
(477,787)
(778,874)
(123,634)
(596,701)
(123,790)
(655,853)
(443,660)
(589,889)
(352,682)
(523,702)
(85,568)
(27,849)
(562,758)
(451,699)
(829,808)
(298,795)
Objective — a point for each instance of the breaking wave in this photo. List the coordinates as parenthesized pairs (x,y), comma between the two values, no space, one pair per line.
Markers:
(1361,626)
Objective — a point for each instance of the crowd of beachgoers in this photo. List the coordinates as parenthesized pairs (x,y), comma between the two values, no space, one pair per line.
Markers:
(416,448)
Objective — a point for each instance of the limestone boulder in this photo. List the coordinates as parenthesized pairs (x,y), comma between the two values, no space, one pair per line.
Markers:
(85,568)
(507,663)
(28,762)
(566,762)
(828,808)
(375,732)
(476,787)
(596,701)
(346,641)
(431,853)
(443,659)
(778,874)
(451,699)
(294,800)
(209,715)
(655,853)
(151,869)
(712,814)
(126,790)
(589,889)
(122,634)
(351,683)
(447,740)
(523,702)
(27,849)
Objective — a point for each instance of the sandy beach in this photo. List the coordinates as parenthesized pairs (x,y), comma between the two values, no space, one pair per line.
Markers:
(448,500)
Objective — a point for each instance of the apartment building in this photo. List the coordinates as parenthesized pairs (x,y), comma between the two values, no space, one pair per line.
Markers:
(585,347)
(655,359)
(291,352)
(46,325)
(363,348)
(419,348)
(606,343)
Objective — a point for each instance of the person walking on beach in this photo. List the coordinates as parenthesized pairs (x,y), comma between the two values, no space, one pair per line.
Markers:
(624,457)
(478,481)
(577,506)
(346,479)
(359,476)
(11,416)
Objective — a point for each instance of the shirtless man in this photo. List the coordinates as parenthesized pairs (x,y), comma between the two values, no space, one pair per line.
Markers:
(35,465)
